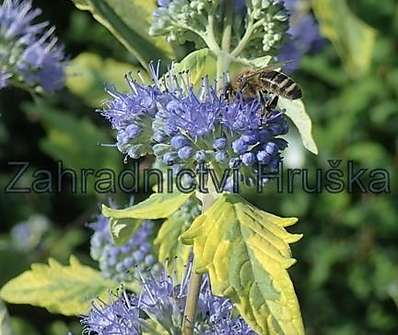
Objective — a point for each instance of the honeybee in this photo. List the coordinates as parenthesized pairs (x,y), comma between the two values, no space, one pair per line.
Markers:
(261,82)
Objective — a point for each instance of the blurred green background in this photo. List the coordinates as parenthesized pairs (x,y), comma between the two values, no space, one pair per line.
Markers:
(347,272)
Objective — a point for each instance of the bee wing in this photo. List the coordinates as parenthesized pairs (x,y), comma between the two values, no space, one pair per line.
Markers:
(270,67)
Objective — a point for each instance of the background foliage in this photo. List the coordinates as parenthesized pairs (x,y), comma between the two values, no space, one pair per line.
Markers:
(347,274)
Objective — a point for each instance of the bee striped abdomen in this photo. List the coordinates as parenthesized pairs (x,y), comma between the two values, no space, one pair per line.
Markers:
(280,84)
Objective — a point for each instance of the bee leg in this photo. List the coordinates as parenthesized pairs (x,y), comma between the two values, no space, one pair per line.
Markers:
(268,107)
(243,86)
(261,97)
(272,102)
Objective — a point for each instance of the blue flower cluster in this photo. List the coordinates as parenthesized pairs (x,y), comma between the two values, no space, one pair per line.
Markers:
(219,311)
(184,127)
(116,262)
(132,116)
(120,317)
(28,235)
(163,300)
(304,35)
(29,52)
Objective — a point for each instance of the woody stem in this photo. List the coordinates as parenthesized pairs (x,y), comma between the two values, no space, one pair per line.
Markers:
(192,302)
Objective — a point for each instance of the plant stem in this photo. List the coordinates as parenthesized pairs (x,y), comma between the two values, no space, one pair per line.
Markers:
(223,56)
(195,282)
(223,62)
(211,37)
(226,38)
(246,37)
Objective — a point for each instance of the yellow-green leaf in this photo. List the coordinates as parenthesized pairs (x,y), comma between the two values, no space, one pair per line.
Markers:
(353,39)
(246,253)
(172,252)
(199,64)
(157,206)
(88,74)
(203,63)
(123,229)
(67,290)
(129,22)
(295,110)
(152,327)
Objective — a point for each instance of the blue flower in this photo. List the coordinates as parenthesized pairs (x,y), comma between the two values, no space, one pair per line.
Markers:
(196,115)
(119,317)
(220,311)
(30,53)
(264,157)
(220,143)
(163,300)
(239,6)
(248,158)
(239,146)
(304,36)
(242,115)
(179,141)
(200,156)
(169,158)
(28,235)
(159,297)
(271,148)
(131,115)
(163,3)
(117,261)
(219,130)
(4,76)
(183,127)
(185,153)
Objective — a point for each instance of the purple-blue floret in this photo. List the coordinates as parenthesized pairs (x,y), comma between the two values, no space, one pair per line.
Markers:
(30,53)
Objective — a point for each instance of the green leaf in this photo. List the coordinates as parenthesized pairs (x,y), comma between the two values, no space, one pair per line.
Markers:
(246,253)
(5,322)
(353,39)
(23,326)
(318,66)
(256,63)
(295,110)
(153,327)
(88,74)
(12,260)
(199,63)
(129,22)
(157,206)
(67,290)
(122,229)
(172,252)
(368,154)
(62,243)
(70,138)
(202,63)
